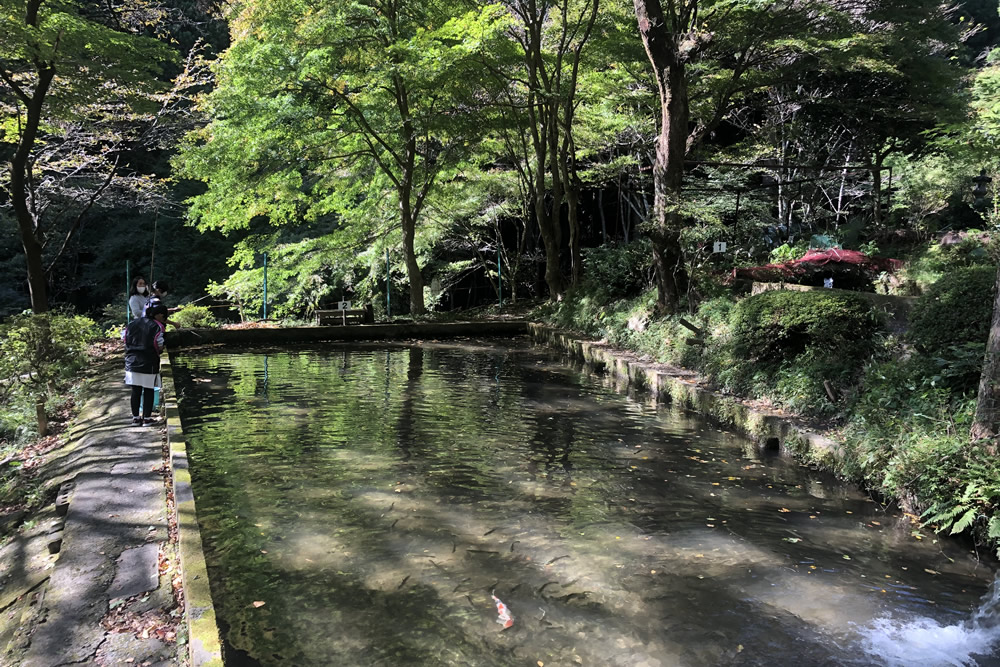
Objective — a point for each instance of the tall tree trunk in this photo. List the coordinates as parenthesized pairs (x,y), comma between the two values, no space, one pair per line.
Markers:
(604,222)
(551,241)
(986,424)
(412,268)
(573,215)
(671,147)
(20,172)
(407,209)
(877,192)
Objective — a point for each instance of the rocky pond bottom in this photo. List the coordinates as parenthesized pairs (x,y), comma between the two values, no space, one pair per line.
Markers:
(364,505)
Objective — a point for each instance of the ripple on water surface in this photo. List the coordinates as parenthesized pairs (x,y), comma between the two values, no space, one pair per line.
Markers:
(361,505)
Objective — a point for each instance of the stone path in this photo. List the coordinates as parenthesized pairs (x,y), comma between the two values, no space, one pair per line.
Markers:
(105,591)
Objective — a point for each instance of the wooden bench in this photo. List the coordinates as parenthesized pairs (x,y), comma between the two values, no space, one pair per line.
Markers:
(344,316)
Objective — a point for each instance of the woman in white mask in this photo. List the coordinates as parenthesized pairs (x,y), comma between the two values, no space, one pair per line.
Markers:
(138,295)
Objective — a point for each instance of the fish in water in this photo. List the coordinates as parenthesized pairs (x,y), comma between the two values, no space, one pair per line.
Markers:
(504,618)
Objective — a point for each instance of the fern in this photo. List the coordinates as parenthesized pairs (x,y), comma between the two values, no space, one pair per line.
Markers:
(944,514)
(993,532)
(965,521)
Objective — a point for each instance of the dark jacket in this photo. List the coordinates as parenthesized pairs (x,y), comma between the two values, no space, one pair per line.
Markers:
(143,342)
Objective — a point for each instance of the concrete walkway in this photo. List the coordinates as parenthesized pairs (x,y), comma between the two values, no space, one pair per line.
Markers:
(106,601)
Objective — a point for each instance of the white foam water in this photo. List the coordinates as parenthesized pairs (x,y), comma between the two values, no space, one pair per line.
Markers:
(924,641)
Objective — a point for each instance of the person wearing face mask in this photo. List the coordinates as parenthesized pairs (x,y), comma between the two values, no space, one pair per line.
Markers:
(137,297)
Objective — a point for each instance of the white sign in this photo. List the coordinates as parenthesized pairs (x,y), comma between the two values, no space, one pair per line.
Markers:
(719,246)
(343,305)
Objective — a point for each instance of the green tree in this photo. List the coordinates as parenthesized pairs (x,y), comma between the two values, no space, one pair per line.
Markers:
(983,135)
(534,102)
(48,81)
(347,110)
(709,56)
(38,354)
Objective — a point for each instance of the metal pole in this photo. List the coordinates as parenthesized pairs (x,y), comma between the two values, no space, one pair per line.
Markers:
(388,286)
(265,285)
(128,287)
(152,254)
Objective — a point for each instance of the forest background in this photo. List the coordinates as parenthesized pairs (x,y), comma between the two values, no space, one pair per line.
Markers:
(585,157)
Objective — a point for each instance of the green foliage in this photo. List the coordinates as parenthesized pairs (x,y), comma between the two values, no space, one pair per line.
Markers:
(632,324)
(194,317)
(955,310)
(870,248)
(38,355)
(958,514)
(779,324)
(73,39)
(787,253)
(907,437)
(934,261)
(346,116)
(620,269)
(788,345)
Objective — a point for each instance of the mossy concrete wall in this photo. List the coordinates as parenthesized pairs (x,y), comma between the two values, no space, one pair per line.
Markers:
(686,389)
(204,643)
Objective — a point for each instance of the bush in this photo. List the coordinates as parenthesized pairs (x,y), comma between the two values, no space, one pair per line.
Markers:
(936,261)
(782,324)
(789,345)
(622,270)
(194,317)
(956,309)
(38,355)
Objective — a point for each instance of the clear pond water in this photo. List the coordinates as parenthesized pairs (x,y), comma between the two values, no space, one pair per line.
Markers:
(361,506)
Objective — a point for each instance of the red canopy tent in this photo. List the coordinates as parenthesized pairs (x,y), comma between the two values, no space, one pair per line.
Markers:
(854,268)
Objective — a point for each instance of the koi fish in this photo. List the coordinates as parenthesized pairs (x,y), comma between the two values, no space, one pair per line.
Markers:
(504,618)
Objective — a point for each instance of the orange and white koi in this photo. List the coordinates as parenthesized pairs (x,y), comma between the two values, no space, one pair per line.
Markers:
(504,618)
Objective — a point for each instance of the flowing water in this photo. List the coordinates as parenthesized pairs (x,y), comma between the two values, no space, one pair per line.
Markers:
(361,506)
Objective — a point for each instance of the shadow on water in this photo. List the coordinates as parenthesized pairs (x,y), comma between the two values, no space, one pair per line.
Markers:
(365,504)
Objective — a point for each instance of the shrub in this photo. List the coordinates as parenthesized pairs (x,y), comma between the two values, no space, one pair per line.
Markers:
(789,346)
(38,355)
(194,317)
(787,253)
(928,267)
(783,324)
(620,269)
(956,309)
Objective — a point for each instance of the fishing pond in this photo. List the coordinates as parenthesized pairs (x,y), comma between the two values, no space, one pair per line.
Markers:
(368,504)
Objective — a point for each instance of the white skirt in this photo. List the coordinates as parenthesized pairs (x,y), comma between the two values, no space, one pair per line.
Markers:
(147,380)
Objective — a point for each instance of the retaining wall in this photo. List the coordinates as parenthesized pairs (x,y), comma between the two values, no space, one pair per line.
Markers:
(274,336)
(671,385)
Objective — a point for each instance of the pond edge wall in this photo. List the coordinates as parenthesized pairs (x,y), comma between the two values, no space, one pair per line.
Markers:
(361,332)
(686,389)
(204,641)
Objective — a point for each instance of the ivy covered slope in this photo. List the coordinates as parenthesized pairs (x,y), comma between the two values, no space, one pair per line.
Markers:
(902,403)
